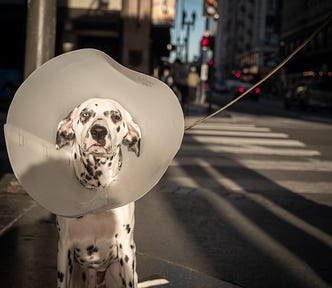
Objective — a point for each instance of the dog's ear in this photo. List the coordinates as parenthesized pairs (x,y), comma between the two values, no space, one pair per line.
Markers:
(133,138)
(65,134)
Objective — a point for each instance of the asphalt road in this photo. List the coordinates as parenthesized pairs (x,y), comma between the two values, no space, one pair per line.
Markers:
(247,200)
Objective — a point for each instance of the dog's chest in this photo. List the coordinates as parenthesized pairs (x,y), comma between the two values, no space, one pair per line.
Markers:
(94,239)
(93,171)
(98,254)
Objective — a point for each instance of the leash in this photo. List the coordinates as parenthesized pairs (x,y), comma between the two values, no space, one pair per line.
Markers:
(277,68)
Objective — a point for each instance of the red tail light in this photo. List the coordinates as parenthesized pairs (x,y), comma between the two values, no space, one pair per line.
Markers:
(257,90)
(241,89)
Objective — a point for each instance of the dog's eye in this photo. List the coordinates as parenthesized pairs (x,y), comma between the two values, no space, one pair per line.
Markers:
(116,116)
(85,116)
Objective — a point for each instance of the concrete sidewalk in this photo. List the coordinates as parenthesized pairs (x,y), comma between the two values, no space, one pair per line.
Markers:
(28,240)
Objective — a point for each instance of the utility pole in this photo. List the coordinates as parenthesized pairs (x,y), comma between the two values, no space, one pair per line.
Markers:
(40,34)
(204,65)
(188,24)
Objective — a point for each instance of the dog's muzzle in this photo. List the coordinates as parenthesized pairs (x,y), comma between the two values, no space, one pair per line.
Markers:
(99,133)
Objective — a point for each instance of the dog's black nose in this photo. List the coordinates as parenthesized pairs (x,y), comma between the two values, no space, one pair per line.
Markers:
(98,132)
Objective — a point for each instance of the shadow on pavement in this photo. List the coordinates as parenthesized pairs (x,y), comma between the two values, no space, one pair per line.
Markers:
(269,237)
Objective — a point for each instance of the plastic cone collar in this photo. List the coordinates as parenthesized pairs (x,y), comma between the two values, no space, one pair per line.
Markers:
(56,88)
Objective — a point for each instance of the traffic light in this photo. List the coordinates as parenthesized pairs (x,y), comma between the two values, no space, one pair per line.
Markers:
(205,42)
(210,8)
(211,42)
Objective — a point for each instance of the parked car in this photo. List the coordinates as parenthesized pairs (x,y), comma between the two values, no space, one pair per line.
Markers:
(309,94)
(237,87)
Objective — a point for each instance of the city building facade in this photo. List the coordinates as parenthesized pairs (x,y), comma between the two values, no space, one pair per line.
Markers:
(299,20)
(133,32)
(247,37)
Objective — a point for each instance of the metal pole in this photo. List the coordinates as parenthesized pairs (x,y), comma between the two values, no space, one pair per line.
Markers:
(187,42)
(40,35)
(204,68)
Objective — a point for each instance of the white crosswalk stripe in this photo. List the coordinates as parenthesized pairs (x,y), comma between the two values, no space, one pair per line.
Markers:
(313,165)
(251,150)
(221,145)
(238,133)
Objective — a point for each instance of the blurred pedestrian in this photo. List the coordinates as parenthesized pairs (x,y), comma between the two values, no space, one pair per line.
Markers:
(166,77)
(180,76)
(193,81)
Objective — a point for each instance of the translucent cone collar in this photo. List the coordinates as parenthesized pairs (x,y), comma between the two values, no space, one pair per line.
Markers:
(56,88)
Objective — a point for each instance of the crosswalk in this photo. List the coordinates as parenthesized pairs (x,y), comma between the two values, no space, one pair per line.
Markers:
(243,156)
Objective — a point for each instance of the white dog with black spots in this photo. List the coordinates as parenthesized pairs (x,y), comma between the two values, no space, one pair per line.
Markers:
(98,250)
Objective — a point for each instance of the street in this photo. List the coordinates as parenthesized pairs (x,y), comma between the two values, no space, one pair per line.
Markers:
(247,200)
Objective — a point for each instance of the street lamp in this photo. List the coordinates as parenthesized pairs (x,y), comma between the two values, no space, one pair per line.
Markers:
(188,24)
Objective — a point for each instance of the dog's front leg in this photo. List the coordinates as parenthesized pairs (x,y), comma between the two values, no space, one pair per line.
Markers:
(65,264)
(127,247)
(65,257)
(127,259)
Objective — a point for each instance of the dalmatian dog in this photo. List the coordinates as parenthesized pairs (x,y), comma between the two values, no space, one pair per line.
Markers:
(98,250)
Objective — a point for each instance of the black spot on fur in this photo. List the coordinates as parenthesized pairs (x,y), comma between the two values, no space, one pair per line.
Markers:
(91,249)
(99,173)
(88,167)
(128,229)
(116,116)
(126,258)
(60,276)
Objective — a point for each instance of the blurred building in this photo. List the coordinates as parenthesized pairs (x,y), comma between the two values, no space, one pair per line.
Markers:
(299,19)
(247,36)
(133,32)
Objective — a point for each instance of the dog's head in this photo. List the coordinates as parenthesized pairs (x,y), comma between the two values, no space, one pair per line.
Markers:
(99,126)
(96,129)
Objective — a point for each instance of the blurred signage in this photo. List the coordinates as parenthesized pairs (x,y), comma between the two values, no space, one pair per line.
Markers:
(204,72)
(93,4)
(163,12)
